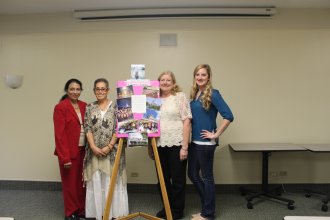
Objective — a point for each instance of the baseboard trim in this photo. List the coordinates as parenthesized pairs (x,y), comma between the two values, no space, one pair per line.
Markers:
(30,185)
(152,188)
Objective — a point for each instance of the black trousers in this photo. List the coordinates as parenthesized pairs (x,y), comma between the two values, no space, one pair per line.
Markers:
(174,172)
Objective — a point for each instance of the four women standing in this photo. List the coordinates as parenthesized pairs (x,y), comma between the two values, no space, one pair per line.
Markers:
(100,124)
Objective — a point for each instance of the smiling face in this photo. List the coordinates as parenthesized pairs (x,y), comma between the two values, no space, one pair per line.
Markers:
(74,91)
(166,84)
(202,77)
(101,91)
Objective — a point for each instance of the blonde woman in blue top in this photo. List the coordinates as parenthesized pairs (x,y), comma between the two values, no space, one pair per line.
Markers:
(205,105)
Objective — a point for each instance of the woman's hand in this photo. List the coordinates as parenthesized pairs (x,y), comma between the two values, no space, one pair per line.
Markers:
(205,134)
(98,152)
(183,153)
(106,150)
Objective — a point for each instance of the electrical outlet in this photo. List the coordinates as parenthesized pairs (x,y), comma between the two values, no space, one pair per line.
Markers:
(283,173)
(273,174)
(134,174)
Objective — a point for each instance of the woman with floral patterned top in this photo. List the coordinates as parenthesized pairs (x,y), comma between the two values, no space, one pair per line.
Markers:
(100,122)
(173,142)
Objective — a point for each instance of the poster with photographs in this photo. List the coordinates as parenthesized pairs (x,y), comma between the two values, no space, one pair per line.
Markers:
(138,109)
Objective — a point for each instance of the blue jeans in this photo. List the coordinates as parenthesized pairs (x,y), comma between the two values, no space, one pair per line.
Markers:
(200,158)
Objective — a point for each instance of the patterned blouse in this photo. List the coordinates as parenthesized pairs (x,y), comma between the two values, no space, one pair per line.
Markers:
(174,110)
(102,130)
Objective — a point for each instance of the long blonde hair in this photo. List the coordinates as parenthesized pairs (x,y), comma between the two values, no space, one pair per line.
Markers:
(175,88)
(207,93)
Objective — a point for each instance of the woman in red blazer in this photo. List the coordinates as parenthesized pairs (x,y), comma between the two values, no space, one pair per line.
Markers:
(70,141)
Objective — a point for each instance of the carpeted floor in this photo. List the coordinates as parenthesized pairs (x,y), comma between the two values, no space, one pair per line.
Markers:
(48,204)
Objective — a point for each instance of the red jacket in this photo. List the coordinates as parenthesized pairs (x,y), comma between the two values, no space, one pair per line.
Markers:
(67,130)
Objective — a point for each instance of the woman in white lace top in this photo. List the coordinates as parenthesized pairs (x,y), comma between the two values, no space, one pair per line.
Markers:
(173,142)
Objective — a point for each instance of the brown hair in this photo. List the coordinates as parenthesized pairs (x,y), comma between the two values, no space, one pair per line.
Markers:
(207,93)
(101,80)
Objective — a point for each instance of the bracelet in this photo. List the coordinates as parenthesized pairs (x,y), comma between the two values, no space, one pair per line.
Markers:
(109,146)
(184,149)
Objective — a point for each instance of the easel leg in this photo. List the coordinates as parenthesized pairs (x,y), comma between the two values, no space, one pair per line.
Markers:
(161,180)
(113,181)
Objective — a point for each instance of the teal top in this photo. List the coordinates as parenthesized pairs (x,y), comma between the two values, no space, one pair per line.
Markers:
(206,119)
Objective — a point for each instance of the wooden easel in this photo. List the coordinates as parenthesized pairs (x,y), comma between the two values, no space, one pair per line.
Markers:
(161,181)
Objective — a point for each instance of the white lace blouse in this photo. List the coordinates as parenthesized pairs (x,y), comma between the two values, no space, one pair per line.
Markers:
(174,110)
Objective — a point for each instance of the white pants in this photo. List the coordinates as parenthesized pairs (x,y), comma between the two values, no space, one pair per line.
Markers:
(96,194)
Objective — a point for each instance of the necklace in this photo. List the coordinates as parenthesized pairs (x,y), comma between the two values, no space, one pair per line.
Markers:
(103,106)
(75,106)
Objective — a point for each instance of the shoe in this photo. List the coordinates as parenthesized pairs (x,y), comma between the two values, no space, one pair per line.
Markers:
(177,216)
(195,215)
(199,217)
(161,213)
(81,216)
(72,217)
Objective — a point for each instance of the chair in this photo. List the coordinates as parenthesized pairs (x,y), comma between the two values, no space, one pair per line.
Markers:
(324,197)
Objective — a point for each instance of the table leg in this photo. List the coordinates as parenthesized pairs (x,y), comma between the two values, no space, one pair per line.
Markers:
(265,192)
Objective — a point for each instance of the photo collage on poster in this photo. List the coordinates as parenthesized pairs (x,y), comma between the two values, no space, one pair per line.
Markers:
(138,111)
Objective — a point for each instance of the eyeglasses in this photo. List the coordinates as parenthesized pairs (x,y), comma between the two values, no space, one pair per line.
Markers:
(100,89)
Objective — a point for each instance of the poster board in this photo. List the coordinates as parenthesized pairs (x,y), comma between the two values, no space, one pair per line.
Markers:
(138,109)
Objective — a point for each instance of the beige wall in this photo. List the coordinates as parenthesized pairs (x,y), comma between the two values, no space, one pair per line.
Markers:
(274,74)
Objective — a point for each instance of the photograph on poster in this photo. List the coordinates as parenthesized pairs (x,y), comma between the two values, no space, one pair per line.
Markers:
(147,126)
(138,126)
(153,109)
(124,109)
(128,126)
(151,91)
(137,71)
(124,92)
(137,139)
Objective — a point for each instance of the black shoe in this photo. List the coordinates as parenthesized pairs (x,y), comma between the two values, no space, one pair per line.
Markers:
(72,217)
(176,216)
(161,214)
